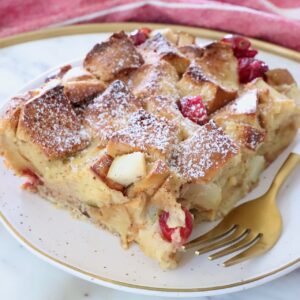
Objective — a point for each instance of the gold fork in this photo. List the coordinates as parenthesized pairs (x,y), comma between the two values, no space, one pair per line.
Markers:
(255,225)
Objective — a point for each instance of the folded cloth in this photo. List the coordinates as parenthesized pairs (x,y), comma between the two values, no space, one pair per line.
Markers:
(277,21)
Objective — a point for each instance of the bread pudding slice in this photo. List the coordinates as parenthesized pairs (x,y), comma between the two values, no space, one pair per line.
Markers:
(152,134)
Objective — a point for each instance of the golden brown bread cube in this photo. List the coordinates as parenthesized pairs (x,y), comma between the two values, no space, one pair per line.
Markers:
(278,115)
(9,120)
(166,107)
(50,122)
(199,158)
(58,74)
(162,106)
(184,38)
(11,112)
(213,76)
(158,48)
(109,111)
(191,51)
(158,79)
(277,77)
(108,59)
(283,81)
(240,119)
(101,168)
(244,109)
(152,182)
(81,85)
(102,165)
(84,90)
(275,108)
(178,38)
(250,136)
(146,133)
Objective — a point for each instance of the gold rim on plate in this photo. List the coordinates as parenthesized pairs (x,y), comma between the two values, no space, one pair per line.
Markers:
(112,27)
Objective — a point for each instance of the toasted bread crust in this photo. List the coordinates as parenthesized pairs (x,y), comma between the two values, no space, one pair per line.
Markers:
(158,47)
(213,76)
(109,111)
(108,59)
(158,79)
(81,86)
(50,122)
(200,157)
(145,132)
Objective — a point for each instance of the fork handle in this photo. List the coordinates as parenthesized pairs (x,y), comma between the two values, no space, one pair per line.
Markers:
(288,166)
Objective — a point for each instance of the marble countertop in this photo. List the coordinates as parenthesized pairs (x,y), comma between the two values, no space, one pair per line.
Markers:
(24,276)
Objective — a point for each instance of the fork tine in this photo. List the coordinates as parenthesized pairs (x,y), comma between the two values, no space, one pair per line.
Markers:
(239,233)
(246,241)
(217,232)
(255,249)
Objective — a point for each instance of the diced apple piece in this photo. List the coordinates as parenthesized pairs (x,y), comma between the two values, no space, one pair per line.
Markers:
(128,168)
(205,196)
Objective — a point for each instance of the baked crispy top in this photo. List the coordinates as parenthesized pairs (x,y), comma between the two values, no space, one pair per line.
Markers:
(51,123)
(109,111)
(158,79)
(158,47)
(216,64)
(244,108)
(146,132)
(108,59)
(241,119)
(126,98)
(203,154)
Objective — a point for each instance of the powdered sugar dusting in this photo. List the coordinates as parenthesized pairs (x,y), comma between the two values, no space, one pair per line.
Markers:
(52,124)
(246,103)
(195,72)
(146,131)
(157,47)
(116,55)
(157,79)
(200,156)
(109,111)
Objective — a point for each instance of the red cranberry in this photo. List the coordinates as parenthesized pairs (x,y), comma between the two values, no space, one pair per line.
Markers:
(140,36)
(194,109)
(250,68)
(33,180)
(185,231)
(240,46)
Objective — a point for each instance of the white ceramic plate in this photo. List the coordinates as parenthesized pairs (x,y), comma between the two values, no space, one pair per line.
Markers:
(95,255)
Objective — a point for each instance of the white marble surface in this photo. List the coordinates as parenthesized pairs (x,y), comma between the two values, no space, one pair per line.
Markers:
(24,276)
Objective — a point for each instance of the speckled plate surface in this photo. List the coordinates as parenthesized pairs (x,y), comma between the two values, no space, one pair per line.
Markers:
(95,255)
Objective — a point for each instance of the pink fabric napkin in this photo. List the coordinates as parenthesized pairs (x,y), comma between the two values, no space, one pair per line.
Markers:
(277,21)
